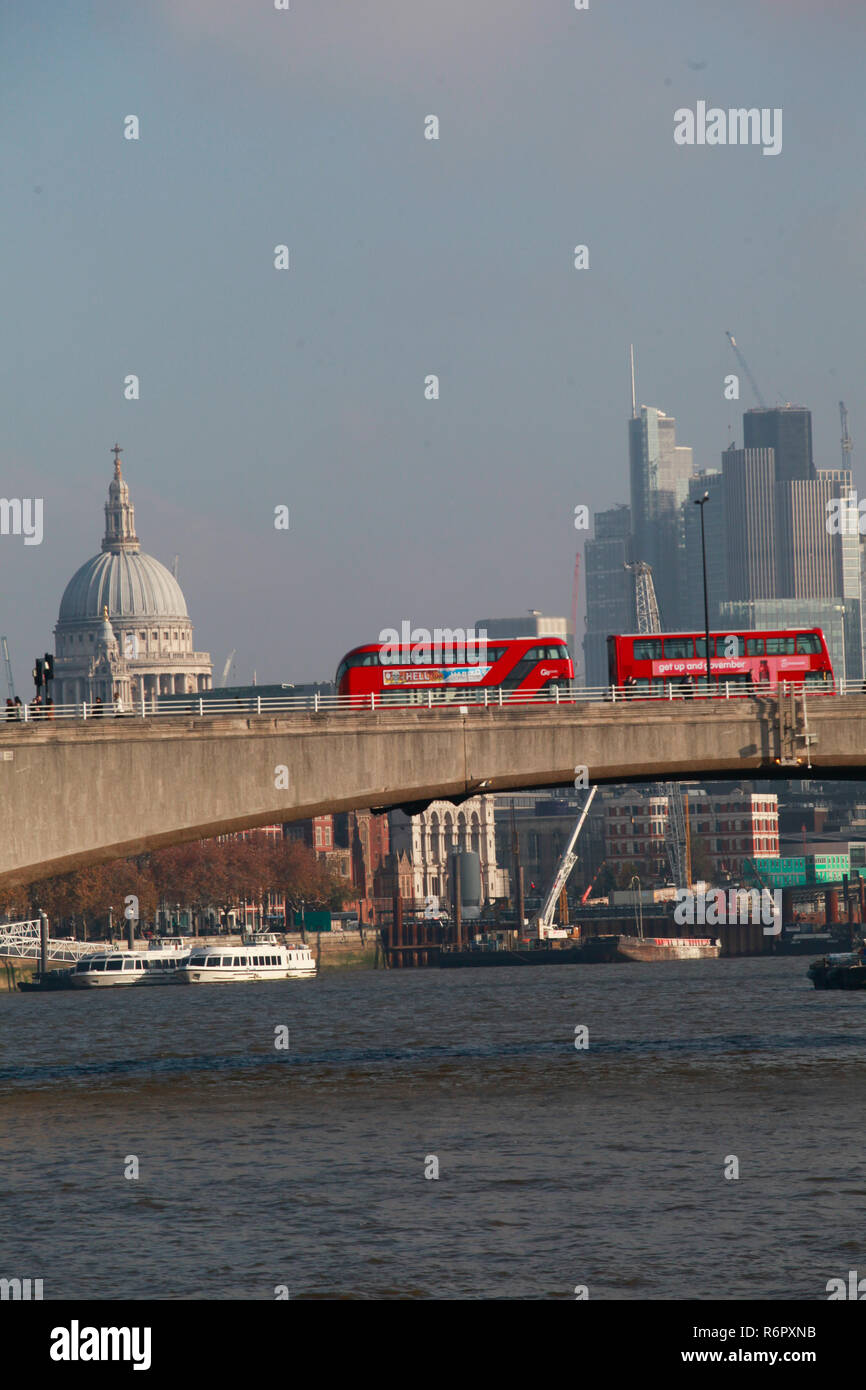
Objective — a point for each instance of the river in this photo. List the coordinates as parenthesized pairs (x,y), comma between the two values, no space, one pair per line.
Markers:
(304,1168)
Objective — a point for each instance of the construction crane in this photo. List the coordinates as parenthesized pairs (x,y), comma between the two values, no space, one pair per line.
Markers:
(231,656)
(745,366)
(543,923)
(10,684)
(645,602)
(575,588)
(592,882)
(676,830)
(847,442)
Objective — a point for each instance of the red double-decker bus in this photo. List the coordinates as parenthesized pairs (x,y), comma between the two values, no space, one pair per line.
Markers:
(741,663)
(523,667)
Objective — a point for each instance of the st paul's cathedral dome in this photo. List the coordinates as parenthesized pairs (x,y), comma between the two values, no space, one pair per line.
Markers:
(129,596)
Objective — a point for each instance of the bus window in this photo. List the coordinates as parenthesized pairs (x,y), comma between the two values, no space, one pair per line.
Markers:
(808,644)
(527,663)
(701,646)
(679,646)
(754,646)
(780,646)
(647,648)
(728,644)
(349,663)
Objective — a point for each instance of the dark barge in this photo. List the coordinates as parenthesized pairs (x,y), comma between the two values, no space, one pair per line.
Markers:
(847,970)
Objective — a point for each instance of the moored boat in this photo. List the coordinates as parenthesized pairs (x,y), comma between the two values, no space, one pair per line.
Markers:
(653,948)
(42,983)
(839,970)
(160,964)
(261,956)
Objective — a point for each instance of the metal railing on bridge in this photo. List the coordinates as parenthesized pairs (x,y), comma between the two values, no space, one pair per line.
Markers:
(486,697)
(20,941)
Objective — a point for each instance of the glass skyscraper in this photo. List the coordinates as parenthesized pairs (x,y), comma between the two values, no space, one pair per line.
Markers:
(659,472)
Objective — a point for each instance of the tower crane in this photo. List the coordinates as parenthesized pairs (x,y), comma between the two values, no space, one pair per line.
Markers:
(847,442)
(676,832)
(227,667)
(745,366)
(575,589)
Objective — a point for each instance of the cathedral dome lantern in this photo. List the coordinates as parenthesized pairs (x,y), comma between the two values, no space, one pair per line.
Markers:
(119,513)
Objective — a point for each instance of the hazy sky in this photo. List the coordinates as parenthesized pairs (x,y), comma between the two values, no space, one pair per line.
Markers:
(408,257)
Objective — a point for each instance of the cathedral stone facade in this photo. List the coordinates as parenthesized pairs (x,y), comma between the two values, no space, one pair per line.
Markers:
(123,633)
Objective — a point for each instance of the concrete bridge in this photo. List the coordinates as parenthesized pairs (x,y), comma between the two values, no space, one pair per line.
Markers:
(76,792)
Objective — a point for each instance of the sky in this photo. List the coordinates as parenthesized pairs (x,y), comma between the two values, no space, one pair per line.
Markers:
(408,257)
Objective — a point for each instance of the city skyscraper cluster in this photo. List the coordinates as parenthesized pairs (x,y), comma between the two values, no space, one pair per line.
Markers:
(772,559)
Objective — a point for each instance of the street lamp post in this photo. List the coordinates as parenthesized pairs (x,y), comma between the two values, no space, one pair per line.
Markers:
(701,502)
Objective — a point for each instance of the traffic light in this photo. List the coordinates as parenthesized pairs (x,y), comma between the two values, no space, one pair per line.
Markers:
(49,667)
(38,673)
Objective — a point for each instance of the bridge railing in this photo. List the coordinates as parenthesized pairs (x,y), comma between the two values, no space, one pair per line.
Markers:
(487,697)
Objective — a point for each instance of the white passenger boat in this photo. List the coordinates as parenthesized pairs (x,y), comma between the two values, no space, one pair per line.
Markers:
(261,956)
(160,964)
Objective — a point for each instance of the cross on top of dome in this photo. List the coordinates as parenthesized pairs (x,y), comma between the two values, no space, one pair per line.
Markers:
(119,513)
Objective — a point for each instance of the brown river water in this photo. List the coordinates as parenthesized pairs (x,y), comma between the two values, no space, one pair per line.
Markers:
(304,1167)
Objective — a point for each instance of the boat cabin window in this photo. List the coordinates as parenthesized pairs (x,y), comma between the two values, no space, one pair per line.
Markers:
(114,965)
